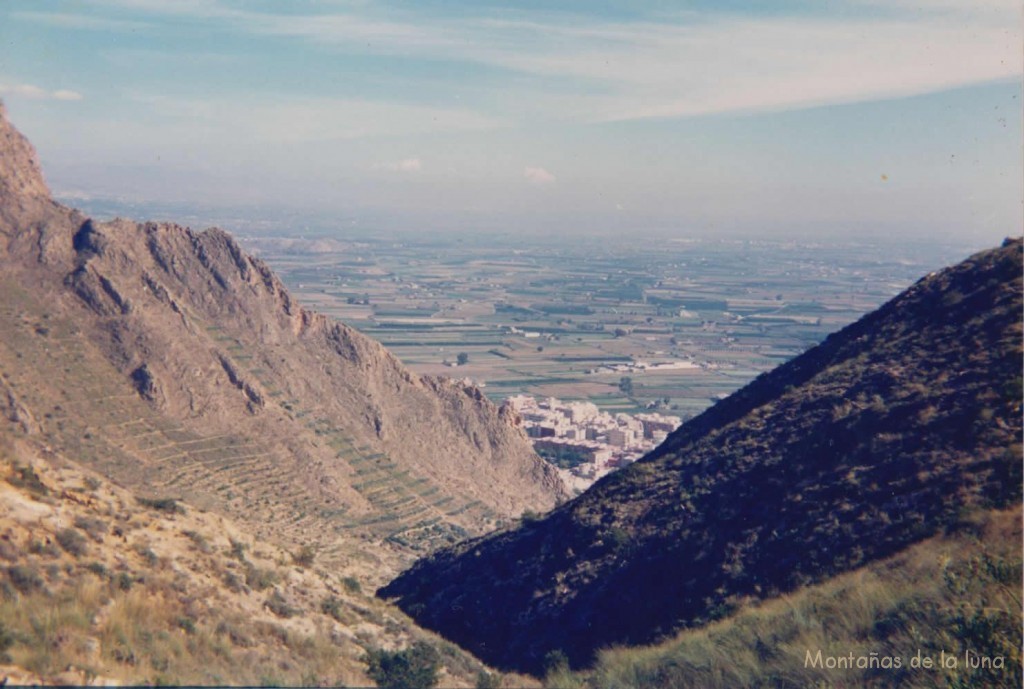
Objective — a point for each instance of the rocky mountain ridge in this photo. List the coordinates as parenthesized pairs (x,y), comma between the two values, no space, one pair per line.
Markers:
(175,363)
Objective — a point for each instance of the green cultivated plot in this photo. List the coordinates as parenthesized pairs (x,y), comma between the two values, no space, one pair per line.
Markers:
(556,320)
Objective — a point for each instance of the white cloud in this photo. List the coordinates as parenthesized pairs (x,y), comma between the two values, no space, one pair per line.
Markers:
(697,64)
(688,64)
(538,176)
(67,20)
(406,165)
(37,93)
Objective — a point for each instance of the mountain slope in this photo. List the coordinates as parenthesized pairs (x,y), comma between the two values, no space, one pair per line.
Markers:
(886,433)
(178,365)
(100,587)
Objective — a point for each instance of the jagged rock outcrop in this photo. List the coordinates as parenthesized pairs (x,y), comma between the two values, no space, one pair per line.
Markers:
(180,335)
(21,178)
(888,432)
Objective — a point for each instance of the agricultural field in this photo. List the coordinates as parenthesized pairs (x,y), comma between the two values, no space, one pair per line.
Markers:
(671,326)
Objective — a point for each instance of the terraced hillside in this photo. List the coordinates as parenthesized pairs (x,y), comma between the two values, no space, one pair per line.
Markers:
(98,587)
(174,363)
(899,427)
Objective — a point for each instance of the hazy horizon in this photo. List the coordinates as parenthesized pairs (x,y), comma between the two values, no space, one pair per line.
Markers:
(849,118)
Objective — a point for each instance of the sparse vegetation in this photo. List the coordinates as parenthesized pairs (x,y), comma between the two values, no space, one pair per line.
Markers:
(72,540)
(199,540)
(351,585)
(278,604)
(954,594)
(258,578)
(170,505)
(412,668)
(531,517)
(6,641)
(24,578)
(96,528)
(331,606)
(27,478)
(238,550)
(305,556)
(488,680)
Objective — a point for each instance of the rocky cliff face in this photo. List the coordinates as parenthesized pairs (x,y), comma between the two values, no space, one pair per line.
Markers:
(174,362)
(21,178)
(890,431)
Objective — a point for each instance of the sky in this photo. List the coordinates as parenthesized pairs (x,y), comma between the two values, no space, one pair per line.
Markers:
(816,118)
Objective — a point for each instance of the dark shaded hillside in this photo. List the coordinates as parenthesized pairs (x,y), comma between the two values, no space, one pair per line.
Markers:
(888,432)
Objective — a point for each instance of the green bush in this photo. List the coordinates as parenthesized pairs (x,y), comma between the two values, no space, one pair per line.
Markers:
(72,540)
(259,579)
(123,581)
(331,606)
(6,641)
(96,528)
(412,668)
(97,568)
(556,661)
(27,478)
(277,604)
(163,504)
(199,540)
(305,556)
(25,578)
(487,680)
(238,550)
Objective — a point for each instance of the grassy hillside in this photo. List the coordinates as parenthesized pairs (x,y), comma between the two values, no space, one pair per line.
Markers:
(98,585)
(952,594)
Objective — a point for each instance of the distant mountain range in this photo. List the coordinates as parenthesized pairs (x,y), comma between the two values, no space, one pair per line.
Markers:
(892,430)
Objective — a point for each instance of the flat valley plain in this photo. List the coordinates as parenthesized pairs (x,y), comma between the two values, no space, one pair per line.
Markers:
(571,318)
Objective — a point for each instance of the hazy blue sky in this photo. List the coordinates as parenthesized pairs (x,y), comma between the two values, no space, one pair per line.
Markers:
(852,116)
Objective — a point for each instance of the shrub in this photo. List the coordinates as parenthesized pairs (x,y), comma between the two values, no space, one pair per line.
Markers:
(6,641)
(531,517)
(24,578)
(232,581)
(202,545)
(147,554)
(96,528)
(163,504)
(123,581)
(277,604)
(487,680)
(260,579)
(40,548)
(27,478)
(556,661)
(412,668)
(237,550)
(351,585)
(97,568)
(305,556)
(331,606)
(72,540)
(617,539)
